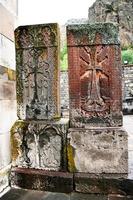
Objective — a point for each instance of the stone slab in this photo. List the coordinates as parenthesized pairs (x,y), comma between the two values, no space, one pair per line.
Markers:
(97,150)
(103,184)
(37,71)
(40,144)
(94,64)
(42,180)
(120,197)
(79,196)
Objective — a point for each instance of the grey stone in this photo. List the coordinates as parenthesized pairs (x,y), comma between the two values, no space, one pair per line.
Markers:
(37,69)
(78,196)
(120,12)
(40,144)
(98,150)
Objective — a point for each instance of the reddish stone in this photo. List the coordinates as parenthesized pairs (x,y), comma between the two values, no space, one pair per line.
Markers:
(94,75)
(42,180)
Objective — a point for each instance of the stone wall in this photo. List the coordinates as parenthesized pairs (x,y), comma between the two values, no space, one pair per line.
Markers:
(64,91)
(7,117)
(8,14)
(128,89)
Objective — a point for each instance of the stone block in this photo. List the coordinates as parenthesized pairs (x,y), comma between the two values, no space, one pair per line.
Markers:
(37,68)
(119,197)
(8,115)
(78,196)
(7,74)
(42,180)
(7,52)
(103,184)
(97,150)
(39,144)
(94,62)
(7,90)
(7,22)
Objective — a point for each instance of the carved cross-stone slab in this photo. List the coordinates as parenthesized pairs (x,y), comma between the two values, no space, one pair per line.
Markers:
(39,144)
(94,75)
(37,51)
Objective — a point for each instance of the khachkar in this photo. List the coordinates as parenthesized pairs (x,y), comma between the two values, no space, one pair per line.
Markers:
(97,142)
(38,138)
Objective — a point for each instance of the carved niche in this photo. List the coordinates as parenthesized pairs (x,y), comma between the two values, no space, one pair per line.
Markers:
(39,146)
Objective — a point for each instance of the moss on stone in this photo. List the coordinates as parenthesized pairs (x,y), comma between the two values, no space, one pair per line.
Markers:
(108,32)
(70,155)
(15,151)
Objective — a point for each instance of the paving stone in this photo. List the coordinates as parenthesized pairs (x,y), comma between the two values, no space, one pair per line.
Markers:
(78,196)
(119,197)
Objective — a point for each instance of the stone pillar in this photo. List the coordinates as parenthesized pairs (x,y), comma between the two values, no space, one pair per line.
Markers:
(39,136)
(97,142)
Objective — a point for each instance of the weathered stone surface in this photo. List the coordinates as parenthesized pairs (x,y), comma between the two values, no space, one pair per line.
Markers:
(37,56)
(39,144)
(127,89)
(4,178)
(7,74)
(78,196)
(94,75)
(119,197)
(64,93)
(120,12)
(97,150)
(42,180)
(103,184)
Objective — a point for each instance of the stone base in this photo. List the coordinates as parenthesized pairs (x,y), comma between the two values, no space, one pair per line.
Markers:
(4,178)
(40,144)
(42,180)
(97,150)
(103,184)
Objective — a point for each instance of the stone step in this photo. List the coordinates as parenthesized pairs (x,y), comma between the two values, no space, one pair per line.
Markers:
(19,194)
(64,182)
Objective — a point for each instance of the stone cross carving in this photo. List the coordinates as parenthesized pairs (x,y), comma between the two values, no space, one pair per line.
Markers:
(94,75)
(37,71)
